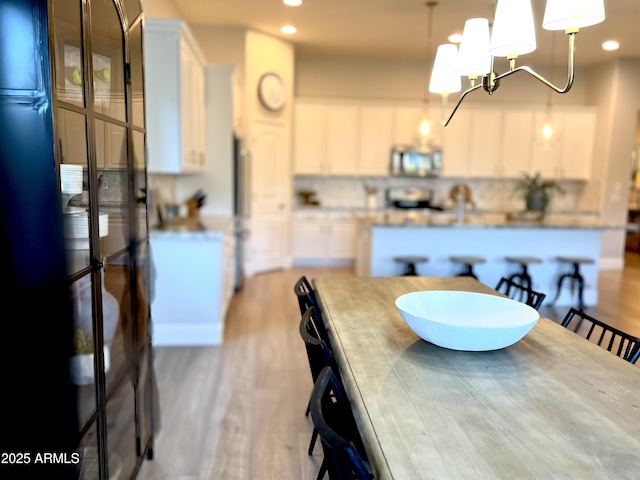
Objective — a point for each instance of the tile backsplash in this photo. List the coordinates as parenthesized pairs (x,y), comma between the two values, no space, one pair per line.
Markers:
(487,194)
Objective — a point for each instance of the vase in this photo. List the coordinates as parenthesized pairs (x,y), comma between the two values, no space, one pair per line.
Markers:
(537,201)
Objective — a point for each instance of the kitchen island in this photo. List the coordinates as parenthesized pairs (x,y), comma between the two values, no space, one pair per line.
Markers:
(383,236)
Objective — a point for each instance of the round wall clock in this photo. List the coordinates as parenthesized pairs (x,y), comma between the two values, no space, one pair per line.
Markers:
(271,92)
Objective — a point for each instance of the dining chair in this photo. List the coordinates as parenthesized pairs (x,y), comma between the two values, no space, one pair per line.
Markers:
(616,341)
(521,293)
(306,296)
(344,456)
(318,353)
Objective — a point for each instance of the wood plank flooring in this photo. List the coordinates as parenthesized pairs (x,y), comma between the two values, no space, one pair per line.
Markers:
(236,412)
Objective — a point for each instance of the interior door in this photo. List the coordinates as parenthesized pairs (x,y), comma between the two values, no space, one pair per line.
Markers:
(270,191)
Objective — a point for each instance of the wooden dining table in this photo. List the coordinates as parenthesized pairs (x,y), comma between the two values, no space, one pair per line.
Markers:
(552,405)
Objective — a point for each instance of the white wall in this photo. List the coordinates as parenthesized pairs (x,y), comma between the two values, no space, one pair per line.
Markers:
(388,79)
(160,9)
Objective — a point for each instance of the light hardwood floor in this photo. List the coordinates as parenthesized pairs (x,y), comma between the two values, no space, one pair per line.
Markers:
(236,412)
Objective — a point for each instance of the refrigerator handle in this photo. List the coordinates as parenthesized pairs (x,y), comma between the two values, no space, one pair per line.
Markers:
(246,182)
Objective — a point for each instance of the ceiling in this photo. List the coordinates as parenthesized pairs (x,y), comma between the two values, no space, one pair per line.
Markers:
(398,28)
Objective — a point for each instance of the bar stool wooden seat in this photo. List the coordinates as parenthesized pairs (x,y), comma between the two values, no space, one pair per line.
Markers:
(523,277)
(410,262)
(467,263)
(573,277)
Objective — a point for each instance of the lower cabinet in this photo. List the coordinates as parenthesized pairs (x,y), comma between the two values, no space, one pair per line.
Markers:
(193,284)
(323,238)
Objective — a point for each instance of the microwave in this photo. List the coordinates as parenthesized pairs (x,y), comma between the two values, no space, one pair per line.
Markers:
(410,161)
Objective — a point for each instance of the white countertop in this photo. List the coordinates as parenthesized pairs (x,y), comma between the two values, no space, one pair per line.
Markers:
(194,228)
(474,220)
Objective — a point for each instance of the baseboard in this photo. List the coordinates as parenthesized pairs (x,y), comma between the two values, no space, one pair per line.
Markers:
(323,262)
(611,263)
(186,335)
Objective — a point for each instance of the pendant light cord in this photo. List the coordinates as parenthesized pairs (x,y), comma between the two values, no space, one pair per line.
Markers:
(425,98)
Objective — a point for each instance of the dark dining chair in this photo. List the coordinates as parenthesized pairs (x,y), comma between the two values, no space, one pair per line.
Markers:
(306,296)
(344,456)
(519,292)
(318,353)
(616,341)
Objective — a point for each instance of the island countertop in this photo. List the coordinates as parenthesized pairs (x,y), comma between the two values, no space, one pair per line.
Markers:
(491,220)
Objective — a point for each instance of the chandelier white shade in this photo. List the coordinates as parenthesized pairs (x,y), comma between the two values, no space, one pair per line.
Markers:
(444,79)
(513,31)
(474,59)
(572,14)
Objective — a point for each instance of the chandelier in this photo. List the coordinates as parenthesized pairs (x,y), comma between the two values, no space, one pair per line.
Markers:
(512,35)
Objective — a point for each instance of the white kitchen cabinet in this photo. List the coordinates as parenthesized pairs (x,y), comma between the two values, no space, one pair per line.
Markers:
(341,155)
(193,285)
(516,143)
(484,143)
(456,148)
(569,152)
(309,129)
(376,138)
(174,83)
(323,238)
(406,123)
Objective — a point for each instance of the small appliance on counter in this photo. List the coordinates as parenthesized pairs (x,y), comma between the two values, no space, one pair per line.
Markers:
(410,197)
(410,161)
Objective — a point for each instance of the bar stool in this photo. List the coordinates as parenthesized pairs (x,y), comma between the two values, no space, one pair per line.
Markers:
(467,262)
(574,276)
(523,277)
(410,263)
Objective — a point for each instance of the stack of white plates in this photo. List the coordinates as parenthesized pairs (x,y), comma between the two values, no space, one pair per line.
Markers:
(76,229)
(71,179)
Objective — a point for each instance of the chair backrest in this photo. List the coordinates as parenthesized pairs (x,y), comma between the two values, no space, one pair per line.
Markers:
(616,341)
(319,353)
(521,293)
(332,417)
(306,294)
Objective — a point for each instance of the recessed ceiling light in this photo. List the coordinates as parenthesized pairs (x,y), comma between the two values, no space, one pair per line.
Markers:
(610,45)
(455,38)
(292,3)
(288,29)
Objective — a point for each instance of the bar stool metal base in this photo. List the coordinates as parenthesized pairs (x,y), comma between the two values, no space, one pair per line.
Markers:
(467,263)
(523,277)
(410,264)
(573,277)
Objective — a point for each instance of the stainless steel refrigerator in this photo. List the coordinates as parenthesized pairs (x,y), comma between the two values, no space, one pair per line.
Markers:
(241,205)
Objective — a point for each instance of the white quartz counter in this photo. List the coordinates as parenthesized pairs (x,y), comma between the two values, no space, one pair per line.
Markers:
(475,221)
(195,228)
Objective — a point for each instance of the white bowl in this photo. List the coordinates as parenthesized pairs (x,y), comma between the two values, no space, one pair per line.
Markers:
(466,320)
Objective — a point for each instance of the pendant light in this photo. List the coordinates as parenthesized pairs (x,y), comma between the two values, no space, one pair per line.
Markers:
(513,35)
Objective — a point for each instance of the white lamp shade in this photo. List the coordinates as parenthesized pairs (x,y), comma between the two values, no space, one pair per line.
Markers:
(513,29)
(444,78)
(569,14)
(473,56)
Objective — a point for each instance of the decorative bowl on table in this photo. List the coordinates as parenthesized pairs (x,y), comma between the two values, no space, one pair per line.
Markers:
(466,321)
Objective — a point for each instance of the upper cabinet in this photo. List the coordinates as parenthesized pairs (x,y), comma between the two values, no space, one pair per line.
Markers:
(341,139)
(174,78)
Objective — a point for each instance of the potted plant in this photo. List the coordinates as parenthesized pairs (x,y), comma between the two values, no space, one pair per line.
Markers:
(82,360)
(536,192)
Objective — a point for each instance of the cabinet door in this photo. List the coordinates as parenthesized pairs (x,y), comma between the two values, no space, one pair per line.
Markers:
(308,237)
(187,134)
(577,147)
(517,137)
(341,237)
(455,146)
(342,139)
(406,125)
(485,140)
(376,125)
(309,139)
